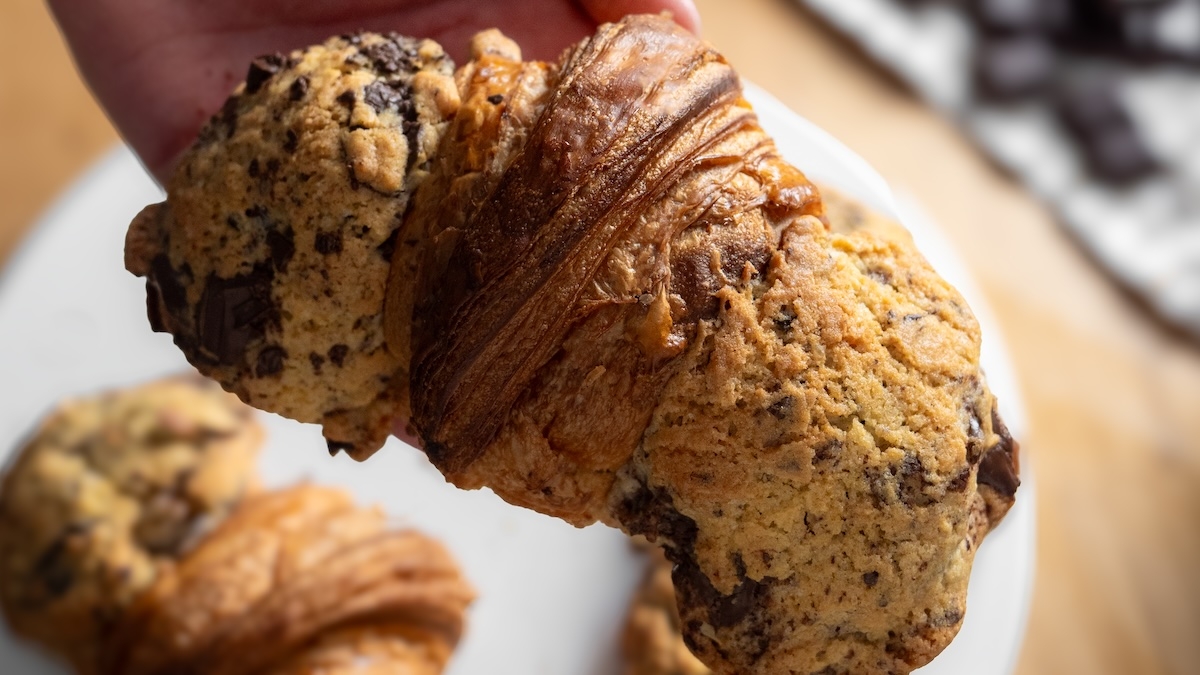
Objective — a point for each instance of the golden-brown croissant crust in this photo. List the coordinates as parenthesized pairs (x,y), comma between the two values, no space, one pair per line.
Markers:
(293,582)
(610,299)
(629,308)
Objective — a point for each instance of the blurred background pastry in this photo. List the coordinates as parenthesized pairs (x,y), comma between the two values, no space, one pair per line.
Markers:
(133,539)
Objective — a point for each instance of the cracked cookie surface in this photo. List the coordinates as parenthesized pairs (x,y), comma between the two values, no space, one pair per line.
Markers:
(269,259)
(109,490)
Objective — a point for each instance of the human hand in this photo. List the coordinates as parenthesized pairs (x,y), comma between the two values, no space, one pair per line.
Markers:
(160,69)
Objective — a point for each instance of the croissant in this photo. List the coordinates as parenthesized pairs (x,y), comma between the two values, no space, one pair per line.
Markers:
(297,581)
(135,542)
(595,287)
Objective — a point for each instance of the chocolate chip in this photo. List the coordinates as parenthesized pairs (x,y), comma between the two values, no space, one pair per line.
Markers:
(234,312)
(166,279)
(283,247)
(495,99)
(998,469)
(339,446)
(154,308)
(347,98)
(337,354)
(328,243)
(299,88)
(223,124)
(383,96)
(781,408)
(912,482)
(783,322)
(54,568)
(262,69)
(392,55)
(388,247)
(317,361)
(870,579)
(270,361)
(959,483)
(253,169)
(827,451)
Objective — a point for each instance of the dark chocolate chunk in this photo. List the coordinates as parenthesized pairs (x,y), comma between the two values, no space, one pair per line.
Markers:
(782,408)
(827,451)
(959,483)
(870,579)
(383,96)
(270,361)
(347,98)
(54,568)
(496,99)
(253,169)
(234,312)
(338,446)
(222,125)
(388,247)
(262,69)
(1009,68)
(392,55)
(170,290)
(291,141)
(337,354)
(913,482)
(317,361)
(154,308)
(783,322)
(328,243)
(299,88)
(998,470)
(283,247)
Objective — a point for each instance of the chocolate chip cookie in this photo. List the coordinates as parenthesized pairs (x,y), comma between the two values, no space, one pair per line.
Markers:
(269,258)
(108,490)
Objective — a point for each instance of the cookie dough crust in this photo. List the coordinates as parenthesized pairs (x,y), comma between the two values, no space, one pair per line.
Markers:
(269,259)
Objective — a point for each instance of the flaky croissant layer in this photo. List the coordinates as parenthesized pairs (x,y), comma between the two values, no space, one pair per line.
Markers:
(609,298)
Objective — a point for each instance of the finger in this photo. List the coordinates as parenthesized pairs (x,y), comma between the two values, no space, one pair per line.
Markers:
(683,11)
(402,429)
(160,69)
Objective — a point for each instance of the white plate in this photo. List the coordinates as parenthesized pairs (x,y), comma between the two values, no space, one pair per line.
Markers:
(551,598)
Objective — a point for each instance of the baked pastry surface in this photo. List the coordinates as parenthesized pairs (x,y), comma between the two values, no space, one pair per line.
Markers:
(268,263)
(132,540)
(611,299)
(109,490)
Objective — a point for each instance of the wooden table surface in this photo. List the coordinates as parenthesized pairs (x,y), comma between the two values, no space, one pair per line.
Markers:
(1114,399)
